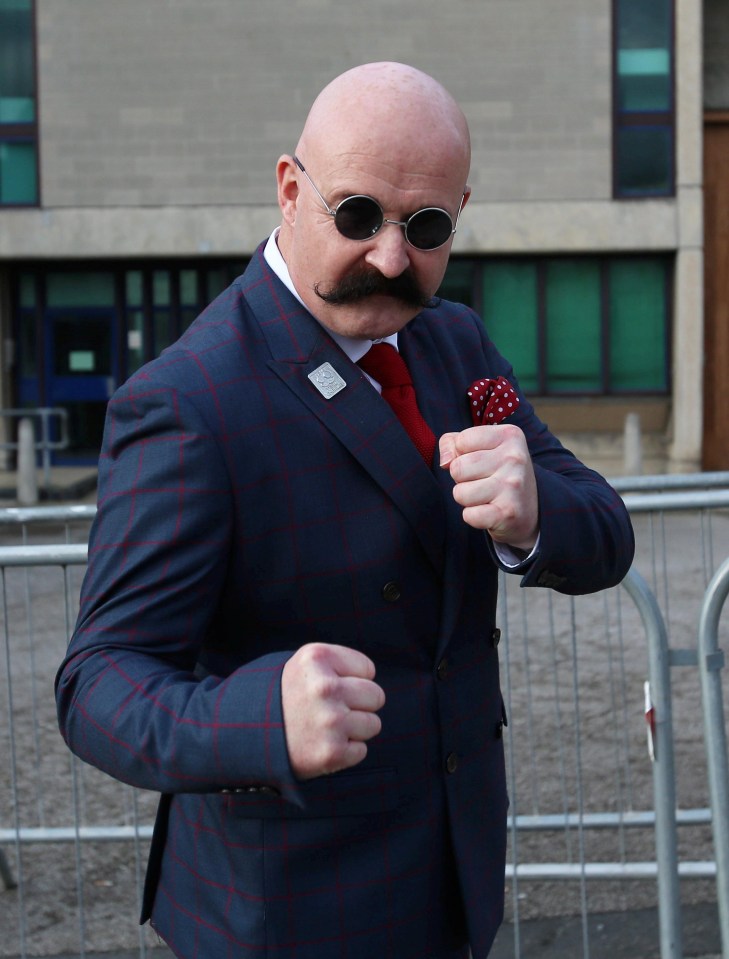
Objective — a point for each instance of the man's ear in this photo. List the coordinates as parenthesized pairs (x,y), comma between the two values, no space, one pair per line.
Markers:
(466,195)
(288,188)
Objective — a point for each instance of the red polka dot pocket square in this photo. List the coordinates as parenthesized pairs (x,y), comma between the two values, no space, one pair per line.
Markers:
(491,401)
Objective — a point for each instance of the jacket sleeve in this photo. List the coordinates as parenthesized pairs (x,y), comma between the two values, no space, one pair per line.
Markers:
(128,698)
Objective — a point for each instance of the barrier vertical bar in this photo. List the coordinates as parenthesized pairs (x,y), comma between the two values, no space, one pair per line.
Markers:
(664,778)
(711,660)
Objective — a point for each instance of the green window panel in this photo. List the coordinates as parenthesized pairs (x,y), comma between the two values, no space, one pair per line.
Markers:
(80,289)
(188,288)
(510,305)
(18,173)
(17,110)
(18,151)
(217,280)
(644,39)
(457,283)
(638,312)
(644,80)
(644,159)
(161,288)
(17,61)
(573,319)
(644,123)
(133,284)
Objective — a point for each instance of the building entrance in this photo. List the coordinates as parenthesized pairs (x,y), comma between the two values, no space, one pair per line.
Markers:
(81,374)
(81,331)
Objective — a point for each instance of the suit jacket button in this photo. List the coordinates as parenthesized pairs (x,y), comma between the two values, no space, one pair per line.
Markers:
(391,592)
(495,637)
(441,669)
(451,763)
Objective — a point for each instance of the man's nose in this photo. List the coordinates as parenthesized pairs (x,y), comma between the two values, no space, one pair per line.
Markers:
(388,251)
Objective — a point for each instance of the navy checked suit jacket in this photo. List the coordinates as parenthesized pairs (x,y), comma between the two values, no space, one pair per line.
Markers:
(241,514)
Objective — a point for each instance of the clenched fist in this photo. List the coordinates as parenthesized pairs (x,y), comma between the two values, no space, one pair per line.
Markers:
(330,703)
(495,483)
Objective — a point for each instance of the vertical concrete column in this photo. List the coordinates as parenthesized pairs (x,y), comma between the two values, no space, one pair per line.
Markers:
(27,483)
(633,446)
(688,362)
(688,315)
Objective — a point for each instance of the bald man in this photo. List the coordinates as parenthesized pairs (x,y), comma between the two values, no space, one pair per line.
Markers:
(287,627)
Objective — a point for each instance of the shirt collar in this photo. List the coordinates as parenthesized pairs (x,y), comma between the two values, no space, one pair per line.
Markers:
(354,347)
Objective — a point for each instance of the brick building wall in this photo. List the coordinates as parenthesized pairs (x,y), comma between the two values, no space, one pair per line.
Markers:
(178,102)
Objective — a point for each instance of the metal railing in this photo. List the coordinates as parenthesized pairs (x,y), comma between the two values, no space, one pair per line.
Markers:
(579,769)
(711,661)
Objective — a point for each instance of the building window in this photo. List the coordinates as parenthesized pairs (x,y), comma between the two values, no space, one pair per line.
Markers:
(575,325)
(80,331)
(643,98)
(18,113)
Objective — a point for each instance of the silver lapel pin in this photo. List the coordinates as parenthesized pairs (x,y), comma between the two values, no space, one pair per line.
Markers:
(326,379)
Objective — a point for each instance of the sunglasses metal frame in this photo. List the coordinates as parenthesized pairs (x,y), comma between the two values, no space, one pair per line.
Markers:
(401,223)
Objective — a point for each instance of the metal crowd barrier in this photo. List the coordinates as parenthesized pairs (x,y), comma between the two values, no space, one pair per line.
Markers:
(596,826)
(711,661)
(680,533)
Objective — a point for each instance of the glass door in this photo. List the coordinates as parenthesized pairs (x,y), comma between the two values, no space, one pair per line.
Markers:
(80,375)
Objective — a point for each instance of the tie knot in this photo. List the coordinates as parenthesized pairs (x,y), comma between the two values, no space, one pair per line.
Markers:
(384,364)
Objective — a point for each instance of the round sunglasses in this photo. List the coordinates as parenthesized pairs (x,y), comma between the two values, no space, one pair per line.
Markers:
(361,217)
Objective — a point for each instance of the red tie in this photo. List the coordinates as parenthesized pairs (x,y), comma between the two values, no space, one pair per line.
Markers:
(384,364)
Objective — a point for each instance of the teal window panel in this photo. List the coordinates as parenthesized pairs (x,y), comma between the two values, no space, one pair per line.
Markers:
(573,323)
(161,288)
(644,121)
(644,42)
(638,335)
(644,159)
(18,173)
(510,311)
(644,24)
(188,287)
(28,297)
(457,283)
(17,54)
(80,289)
(133,285)
(217,280)
(644,80)
(17,110)
(18,150)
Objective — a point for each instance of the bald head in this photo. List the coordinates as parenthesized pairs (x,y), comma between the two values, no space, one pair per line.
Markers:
(390,111)
(391,133)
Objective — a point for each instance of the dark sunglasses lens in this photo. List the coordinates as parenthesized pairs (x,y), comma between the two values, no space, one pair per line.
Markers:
(428,229)
(358,217)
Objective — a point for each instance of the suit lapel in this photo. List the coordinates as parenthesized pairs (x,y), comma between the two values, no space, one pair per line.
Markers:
(360,419)
(443,404)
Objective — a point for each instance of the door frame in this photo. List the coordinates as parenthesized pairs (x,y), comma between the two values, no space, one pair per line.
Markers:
(715,445)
